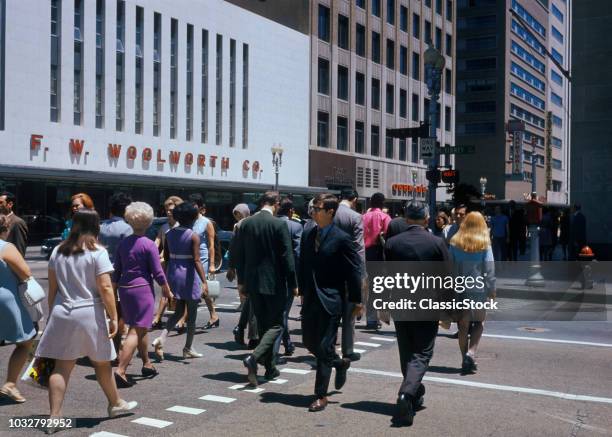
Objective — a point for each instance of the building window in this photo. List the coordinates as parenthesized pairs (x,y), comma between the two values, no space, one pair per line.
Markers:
(389,147)
(528,37)
(556,77)
(79,31)
(478,128)
(245,95)
(390,54)
(477,22)
(360,3)
(390,98)
(189,87)
(527,77)
(232,119)
(481,43)
(414,152)
(322,129)
(375,141)
(204,90)
(323,77)
(375,94)
(527,116)
(376,47)
(528,18)
(527,57)
(342,134)
(359,88)
(428,3)
(447,119)
(403,155)
(360,40)
(557,56)
(439,39)
(480,107)
(120,67)
(324,23)
(359,137)
(416,26)
(557,35)
(404,60)
(391,12)
(416,66)
(557,121)
(156,73)
(449,10)
(427,36)
(343,83)
(56,32)
(403,103)
(439,7)
(479,64)
(415,107)
(376,8)
(173,77)
(448,81)
(556,142)
(403,18)
(557,13)
(343,32)
(100,19)
(556,186)
(219,92)
(449,45)
(139,69)
(557,164)
(526,96)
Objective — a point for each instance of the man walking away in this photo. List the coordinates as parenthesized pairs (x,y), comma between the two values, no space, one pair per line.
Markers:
(18,229)
(500,230)
(115,229)
(264,253)
(415,340)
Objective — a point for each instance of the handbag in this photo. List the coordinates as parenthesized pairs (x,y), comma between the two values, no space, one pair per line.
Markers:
(214,286)
(32,295)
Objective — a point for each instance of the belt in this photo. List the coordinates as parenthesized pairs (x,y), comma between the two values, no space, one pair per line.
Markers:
(174,256)
(81,303)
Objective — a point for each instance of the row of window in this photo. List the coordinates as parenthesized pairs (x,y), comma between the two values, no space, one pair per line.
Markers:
(528,57)
(527,116)
(557,13)
(526,96)
(140,40)
(528,18)
(376,9)
(528,38)
(527,77)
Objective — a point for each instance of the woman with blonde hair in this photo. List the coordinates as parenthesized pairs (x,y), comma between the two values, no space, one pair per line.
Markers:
(471,250)
(136,266)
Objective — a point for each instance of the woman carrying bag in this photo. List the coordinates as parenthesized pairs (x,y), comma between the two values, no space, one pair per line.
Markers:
(80,298)
(16,326)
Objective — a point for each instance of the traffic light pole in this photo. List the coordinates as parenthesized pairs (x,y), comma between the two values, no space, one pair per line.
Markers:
(433,75)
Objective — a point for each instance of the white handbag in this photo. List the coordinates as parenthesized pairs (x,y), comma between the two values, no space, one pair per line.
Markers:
(32,295)
(214,286)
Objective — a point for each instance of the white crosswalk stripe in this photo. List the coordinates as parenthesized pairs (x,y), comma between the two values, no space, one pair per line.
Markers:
(185,410)
(106,434)
(243,387)
(215,398)
(296,371)
(278,381)
(365,343)
(390,340)
(155,423)
(359,351)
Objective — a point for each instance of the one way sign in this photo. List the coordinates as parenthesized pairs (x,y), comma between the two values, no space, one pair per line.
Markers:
(427,147)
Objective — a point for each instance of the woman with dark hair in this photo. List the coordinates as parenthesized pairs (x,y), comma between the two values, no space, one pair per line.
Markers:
(182,252)
(80,299)
(16,326)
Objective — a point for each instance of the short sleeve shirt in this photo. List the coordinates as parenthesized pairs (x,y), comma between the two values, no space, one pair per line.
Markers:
(76,274)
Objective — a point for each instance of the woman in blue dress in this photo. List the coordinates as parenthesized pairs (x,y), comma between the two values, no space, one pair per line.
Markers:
(471,250)
(16,326)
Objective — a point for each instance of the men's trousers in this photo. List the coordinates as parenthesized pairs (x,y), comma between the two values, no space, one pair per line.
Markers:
(269,313)
(348,327)
(415,341)
(247,316)
(285,337)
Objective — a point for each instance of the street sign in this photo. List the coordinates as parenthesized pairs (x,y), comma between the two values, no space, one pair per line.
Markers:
(517,153)
(409,132)
(457,150)
(426,147)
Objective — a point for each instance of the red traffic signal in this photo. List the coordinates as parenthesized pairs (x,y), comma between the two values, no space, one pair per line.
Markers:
(450,176)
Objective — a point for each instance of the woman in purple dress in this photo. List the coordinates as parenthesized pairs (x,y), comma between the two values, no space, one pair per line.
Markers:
(185,275)
(136,266)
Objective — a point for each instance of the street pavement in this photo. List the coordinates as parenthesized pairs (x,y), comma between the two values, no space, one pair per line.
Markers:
(544,379)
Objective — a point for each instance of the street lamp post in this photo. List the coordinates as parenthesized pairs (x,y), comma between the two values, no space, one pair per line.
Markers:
(483,188)
(277,162)
(434,65)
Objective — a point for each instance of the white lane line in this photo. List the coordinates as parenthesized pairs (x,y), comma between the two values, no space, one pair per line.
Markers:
(510,388)
(215,398)
(243,387)
(548,340)
(296,371)
(185,410)
(278,381)
(236,303)
(225,305)
(390,340)
(359,351)
(365,343)
(155,423)
(106,434)
(237,386)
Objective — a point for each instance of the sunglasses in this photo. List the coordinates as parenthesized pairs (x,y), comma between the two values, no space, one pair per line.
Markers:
(318,208)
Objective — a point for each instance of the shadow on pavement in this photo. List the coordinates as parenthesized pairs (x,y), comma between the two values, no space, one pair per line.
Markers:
(292,400)
(375,407)
(444,369)
(238,357)
(230,346)
(227,377)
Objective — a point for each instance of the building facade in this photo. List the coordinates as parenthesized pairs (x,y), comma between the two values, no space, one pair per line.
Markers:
(150,97)
(505,72)
(368,75)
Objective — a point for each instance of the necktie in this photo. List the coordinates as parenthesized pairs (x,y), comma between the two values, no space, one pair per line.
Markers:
(318,240)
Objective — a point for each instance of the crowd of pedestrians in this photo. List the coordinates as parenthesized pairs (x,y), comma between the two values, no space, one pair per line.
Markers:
(101,293)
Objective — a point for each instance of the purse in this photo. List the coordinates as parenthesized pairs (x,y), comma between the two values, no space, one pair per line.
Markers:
(214,286)
(32,295)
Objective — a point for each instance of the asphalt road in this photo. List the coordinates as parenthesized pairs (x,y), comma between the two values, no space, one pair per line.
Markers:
(544,379)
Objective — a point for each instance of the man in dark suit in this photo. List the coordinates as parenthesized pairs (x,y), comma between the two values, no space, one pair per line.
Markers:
(415,340)
(350,221)
(295,231)
(329,265)
(265,257)
(18,229)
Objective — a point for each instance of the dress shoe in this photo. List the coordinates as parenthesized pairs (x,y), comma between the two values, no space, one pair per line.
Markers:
(149,371)
(251,364)
(253,344)
(468,366)
(404,415)
(181,329)
(354,356)
(214,324)
(419,398)
(281,360)
(121,408)
(272,374)
(318,405)
(341,370)
(122,382)
(289,350)
(239,335)
(190,353)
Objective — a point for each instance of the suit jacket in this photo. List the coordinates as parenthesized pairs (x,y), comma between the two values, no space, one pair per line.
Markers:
(351,222)
(263,255)
(325,274)
(295,232)
(416,244)
(18,233)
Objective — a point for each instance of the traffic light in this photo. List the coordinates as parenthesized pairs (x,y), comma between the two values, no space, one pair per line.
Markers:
(450,176)
(433,176)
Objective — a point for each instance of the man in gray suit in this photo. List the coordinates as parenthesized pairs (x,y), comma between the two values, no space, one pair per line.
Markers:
(350,221)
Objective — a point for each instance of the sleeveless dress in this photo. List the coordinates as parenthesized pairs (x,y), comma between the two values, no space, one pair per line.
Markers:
(182,276)
(16,324)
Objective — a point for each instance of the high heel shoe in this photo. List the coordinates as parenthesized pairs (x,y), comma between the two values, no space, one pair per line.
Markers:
(214,324)
(159,348)
(190,353)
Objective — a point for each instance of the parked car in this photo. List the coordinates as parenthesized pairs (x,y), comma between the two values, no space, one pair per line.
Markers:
(48,244)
